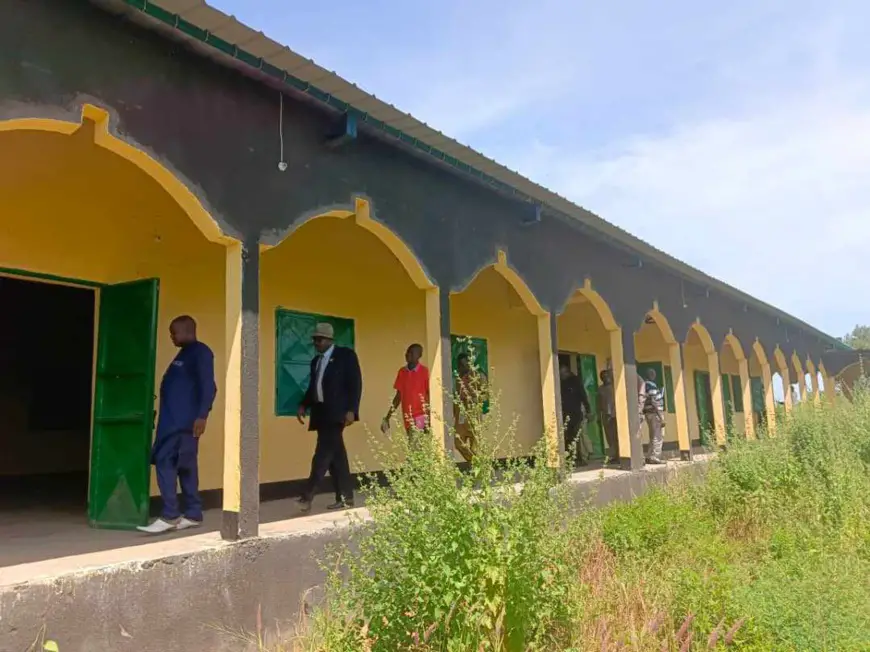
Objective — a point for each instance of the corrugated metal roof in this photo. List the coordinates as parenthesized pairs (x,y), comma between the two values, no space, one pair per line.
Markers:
(235,42)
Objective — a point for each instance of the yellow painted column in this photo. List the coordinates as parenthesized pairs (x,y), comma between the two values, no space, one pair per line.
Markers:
(435,358)
(786,390)
(830,395)
(746,389)
(232,391)
(682,414)
(716,397)
(769,401)
(624,421)
(547,359)
(814,381)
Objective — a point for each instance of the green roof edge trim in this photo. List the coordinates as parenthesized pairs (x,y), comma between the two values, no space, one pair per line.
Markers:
(178,23)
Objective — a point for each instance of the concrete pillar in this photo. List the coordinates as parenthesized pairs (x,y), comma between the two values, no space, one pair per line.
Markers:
(241,484)
(445,362)
(675,359)
(746,389)
(716,397)
(435,359)
(625,390)
(769,402)
(547,356)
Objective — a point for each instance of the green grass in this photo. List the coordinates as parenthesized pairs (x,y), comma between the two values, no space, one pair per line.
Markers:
(769,552)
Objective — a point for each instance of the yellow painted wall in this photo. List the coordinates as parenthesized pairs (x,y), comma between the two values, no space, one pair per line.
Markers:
(694,358)
(331,266)
(650,346)
(491,308)
(579,330)
(71,209)
(728,365)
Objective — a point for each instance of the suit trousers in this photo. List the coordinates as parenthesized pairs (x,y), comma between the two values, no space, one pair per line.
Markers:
(330,455)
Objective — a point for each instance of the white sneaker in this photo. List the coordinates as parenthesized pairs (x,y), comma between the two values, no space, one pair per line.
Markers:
(160,526)
(187,523)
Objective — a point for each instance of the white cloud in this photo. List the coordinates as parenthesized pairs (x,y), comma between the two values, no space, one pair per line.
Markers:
(771,197)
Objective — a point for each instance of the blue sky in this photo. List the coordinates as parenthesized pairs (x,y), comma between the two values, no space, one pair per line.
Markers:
(735,136)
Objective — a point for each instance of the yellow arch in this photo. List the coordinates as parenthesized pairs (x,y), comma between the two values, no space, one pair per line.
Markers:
(760,354)
(511,276)
(779,358)
(185,199)
(799,371)
(601,306)
(362,216)
(662,324)
(736,347)
(704,335)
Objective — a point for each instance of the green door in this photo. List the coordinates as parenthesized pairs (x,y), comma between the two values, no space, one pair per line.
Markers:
(123,422)
(704,404)
(294,351)
(728,405)
(588,371)
(478,353)
(759,413)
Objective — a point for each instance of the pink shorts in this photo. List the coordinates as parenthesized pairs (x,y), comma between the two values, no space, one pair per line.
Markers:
(419,422)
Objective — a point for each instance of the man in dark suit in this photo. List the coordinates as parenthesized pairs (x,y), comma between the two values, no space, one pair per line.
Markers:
(333,397)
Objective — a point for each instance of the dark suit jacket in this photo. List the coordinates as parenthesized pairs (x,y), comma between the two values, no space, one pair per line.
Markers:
(342,389)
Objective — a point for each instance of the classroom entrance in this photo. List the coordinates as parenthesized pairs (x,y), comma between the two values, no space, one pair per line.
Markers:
(77,367)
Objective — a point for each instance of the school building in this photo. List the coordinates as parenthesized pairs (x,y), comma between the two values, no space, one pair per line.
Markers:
(161,158)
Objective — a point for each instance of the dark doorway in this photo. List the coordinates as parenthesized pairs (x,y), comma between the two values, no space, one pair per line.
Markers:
(46,370)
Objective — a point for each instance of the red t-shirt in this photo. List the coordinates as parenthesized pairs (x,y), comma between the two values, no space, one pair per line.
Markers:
(413,387)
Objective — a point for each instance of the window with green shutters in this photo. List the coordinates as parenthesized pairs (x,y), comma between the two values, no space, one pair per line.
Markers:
(477,350)
(294,351)
(737,393)
(669,390)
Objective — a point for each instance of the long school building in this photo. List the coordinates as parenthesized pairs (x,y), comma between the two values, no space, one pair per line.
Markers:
(160,158)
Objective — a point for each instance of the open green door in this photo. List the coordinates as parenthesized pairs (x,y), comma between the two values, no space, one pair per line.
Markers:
(704,404)
(588,372)
(123,405)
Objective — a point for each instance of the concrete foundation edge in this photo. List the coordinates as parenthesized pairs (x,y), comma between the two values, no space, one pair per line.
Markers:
(203,600)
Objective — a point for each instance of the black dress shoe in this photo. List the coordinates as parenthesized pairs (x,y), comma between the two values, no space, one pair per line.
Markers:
(340,504)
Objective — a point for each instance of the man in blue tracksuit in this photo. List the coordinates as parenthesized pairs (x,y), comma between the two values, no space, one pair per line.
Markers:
(186,396)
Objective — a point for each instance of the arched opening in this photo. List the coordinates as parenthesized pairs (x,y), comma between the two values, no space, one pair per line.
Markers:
(100,247)
(585,329)
(763,394)
(787,391)
(510,335)
(812,381)
(658,359)
(800,380)
(733,368)
(703,387)
(378,313)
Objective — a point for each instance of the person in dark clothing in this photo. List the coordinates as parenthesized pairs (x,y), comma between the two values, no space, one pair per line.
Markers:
(187,394)
(575,409)
(333,398)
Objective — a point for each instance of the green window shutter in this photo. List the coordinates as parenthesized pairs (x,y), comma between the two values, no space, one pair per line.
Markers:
(704,405)
(737,393)
(294,351)
(669,390)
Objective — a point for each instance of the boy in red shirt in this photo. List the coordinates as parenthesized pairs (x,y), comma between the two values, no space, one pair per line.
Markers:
(412,392)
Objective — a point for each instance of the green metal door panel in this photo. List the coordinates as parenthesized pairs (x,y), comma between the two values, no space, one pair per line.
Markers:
(588,372)
(477,350)
(704,405)
(123,421)
(737,393)
(670,401)
(757,388)
(295,350)
(728,404)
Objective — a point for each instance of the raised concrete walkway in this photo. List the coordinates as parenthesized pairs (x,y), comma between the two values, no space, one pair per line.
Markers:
(190,593)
